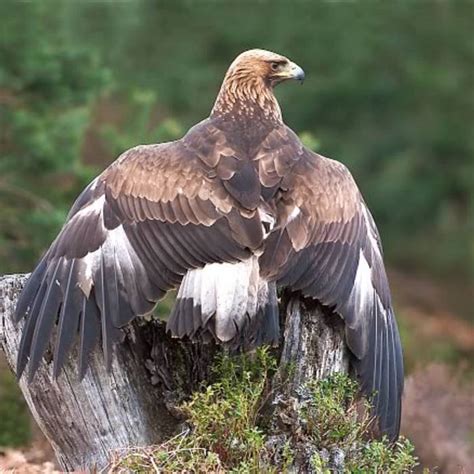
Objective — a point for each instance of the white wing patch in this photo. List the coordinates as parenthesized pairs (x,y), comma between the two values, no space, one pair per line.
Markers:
(370,231)
(294,214)
(116,247)
(363,292)
(92,258)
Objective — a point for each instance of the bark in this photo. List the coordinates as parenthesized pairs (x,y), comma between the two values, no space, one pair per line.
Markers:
(313,341)
(135,405)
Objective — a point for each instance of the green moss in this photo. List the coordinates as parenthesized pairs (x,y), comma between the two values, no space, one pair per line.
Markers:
(230,431)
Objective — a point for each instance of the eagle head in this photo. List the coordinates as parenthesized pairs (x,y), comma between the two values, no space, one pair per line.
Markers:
(270,67)
(247,90)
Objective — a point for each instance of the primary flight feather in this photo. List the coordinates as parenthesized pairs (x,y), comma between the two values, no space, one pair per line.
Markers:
(228,213)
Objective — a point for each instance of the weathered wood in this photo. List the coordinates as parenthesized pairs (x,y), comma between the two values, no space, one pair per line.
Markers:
(313,348)
(85,421)
(151,372)
(313,341)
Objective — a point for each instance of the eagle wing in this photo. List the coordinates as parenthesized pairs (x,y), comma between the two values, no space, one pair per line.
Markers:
(328,247)
(132,234)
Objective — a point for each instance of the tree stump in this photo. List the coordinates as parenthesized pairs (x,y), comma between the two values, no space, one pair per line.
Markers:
(135,404)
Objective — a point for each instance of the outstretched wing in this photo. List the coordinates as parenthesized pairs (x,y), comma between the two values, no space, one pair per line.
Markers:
(329,249)
(132,234)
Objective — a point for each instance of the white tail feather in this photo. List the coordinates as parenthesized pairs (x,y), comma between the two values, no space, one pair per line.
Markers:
(231,292)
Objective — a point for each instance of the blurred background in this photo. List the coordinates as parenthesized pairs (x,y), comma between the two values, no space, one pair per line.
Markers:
(389,92)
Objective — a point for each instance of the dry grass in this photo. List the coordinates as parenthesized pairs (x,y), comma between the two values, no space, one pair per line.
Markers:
(147,459)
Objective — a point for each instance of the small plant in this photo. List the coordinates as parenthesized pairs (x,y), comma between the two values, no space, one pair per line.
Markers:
(225,415)
(379,457)
(330,428)
(228,431)
(331,412)
(225,435)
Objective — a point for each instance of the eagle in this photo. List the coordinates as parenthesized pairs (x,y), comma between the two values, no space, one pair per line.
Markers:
(228,214)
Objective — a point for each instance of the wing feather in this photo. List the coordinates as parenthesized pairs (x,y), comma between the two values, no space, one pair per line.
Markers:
(156,212)
(44,323)
(89,332)
(332,252)
(68,319)
(29,328)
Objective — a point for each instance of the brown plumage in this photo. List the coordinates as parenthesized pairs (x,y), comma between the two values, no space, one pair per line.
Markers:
(232,210)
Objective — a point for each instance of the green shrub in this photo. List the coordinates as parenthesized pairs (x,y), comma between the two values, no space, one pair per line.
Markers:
(230,431)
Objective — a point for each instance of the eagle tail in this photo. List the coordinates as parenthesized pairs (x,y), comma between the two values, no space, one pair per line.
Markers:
(227,302)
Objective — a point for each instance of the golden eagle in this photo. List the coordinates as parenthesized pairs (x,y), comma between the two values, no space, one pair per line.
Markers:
(228,213)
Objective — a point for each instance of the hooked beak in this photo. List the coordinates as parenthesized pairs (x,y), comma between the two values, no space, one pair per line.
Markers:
(296,72)
(291,71)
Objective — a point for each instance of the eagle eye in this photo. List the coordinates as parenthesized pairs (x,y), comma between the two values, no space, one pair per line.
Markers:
(275,66)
